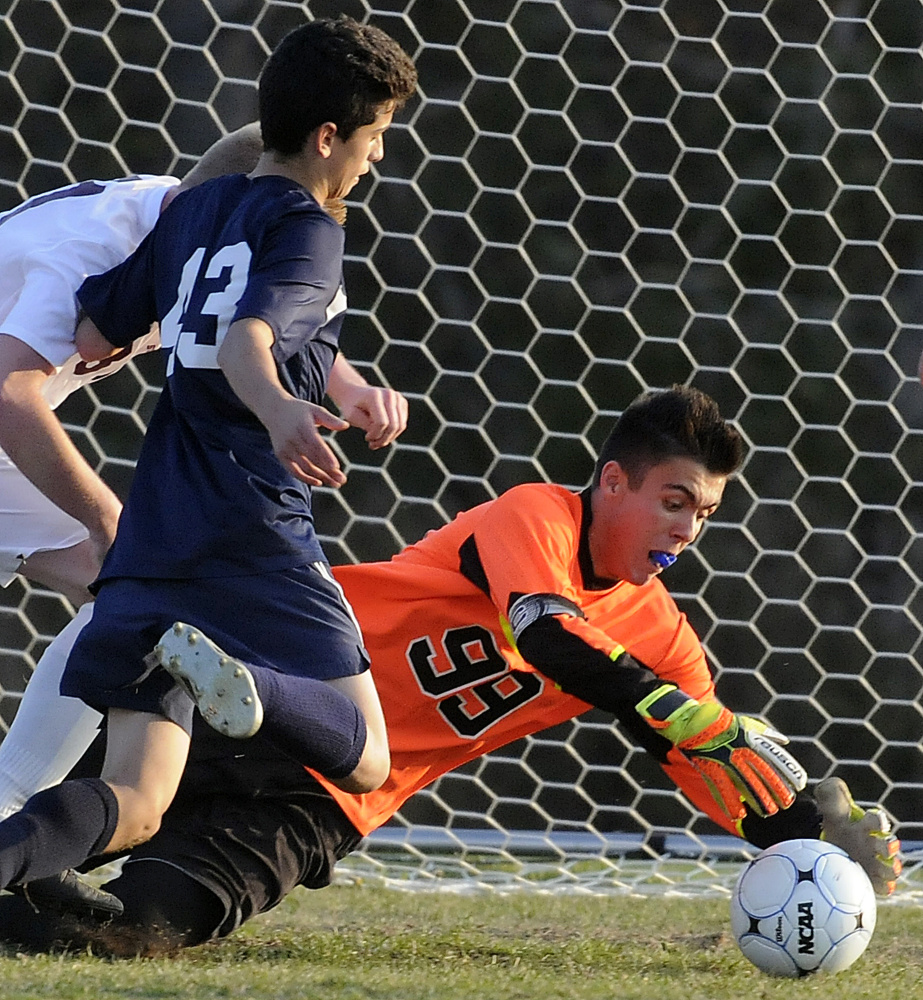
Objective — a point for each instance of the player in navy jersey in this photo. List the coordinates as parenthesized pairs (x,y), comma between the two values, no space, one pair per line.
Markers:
(243,275)
(58,517)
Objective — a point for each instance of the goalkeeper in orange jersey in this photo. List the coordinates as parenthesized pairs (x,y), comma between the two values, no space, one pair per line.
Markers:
(520,614)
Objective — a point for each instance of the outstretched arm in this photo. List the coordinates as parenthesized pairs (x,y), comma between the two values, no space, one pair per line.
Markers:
(740,759)
(730,766)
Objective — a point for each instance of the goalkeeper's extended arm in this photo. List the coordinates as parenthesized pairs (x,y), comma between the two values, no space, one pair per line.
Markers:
(740,758)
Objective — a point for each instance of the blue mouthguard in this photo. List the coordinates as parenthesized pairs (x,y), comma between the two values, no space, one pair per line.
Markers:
(663,559)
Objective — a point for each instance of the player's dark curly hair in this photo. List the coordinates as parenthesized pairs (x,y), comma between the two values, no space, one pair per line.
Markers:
(670,423)
(330,70)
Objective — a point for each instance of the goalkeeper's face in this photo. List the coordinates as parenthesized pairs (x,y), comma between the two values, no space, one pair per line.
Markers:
(636,533)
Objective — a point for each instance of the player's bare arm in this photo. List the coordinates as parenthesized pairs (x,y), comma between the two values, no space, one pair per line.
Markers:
(246,360)
(33,437)
(380,412)
(91,344)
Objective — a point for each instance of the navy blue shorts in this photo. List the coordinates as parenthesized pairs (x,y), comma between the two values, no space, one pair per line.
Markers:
(297,621)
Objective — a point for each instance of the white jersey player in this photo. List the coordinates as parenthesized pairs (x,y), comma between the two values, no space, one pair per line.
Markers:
(57,516)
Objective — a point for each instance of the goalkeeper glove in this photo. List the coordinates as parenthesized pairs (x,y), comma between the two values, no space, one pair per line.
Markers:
(741,759)
(865,834)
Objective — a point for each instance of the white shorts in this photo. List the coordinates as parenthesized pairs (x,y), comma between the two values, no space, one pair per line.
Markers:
(29,522)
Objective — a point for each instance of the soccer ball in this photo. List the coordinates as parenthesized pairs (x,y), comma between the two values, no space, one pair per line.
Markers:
(803,906)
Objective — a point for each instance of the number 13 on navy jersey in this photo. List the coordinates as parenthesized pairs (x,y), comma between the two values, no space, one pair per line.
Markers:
(206,299)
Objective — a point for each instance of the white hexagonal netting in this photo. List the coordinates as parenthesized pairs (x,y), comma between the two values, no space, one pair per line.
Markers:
(588,198)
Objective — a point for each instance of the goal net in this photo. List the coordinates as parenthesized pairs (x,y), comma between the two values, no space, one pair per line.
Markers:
(588,198)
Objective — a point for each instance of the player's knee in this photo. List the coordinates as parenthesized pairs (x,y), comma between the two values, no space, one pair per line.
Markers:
(372,770)
(137,830)
(139,819)
(128,836)
(362,780)
(165,908)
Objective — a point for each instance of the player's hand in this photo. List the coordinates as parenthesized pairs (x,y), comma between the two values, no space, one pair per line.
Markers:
(297,443)
(380,412)
(865,834)
(740,758)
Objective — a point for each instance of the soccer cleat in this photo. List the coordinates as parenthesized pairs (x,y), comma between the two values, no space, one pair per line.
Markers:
(67,892)
(222,687)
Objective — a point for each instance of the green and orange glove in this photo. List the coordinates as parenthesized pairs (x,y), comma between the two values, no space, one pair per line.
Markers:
(740,758)
(864,834)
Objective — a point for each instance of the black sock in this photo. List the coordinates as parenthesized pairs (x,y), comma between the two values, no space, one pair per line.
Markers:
(57,828)
(310,721)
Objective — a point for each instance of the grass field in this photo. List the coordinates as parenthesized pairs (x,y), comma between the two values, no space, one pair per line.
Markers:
(346,943)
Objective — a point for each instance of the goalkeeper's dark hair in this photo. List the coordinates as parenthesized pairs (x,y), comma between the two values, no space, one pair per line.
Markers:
(671,423)
(330,70)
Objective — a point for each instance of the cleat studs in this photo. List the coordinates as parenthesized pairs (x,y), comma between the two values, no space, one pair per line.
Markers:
(220,685)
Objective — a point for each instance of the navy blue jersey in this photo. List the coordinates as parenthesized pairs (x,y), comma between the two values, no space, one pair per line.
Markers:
(209,497)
